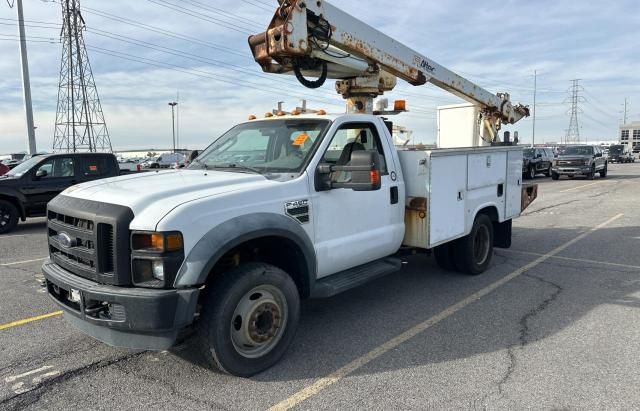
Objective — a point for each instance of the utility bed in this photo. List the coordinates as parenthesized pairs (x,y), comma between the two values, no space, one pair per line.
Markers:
(446,187)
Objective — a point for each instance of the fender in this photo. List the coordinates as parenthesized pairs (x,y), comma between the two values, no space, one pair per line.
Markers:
(17,195)
(224,237)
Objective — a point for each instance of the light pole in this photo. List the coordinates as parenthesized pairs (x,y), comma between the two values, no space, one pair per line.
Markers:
(173,123)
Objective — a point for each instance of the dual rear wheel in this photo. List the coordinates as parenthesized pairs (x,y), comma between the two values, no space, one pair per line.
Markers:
(471,254)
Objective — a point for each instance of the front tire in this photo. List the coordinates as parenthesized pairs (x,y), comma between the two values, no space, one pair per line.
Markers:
(592,173)
(532,173)
(603,172)
(555,176)
(548,172)
(8,216)
(248,320)
(475,251)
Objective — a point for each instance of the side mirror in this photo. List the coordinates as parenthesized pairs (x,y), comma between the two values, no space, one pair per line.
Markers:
(598,154)
(41,173)
(538,155)
(365,173)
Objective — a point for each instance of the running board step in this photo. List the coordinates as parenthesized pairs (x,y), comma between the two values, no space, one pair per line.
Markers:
(354,277)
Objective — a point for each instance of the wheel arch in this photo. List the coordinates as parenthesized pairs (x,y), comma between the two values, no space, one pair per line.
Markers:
(15,201)
(272,238)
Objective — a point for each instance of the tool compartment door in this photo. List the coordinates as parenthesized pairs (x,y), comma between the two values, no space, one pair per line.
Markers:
(514,184)
(448,185)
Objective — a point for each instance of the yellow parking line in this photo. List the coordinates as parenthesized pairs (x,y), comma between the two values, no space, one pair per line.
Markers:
(29,320)
(23,262)
(579,187)
(360,362)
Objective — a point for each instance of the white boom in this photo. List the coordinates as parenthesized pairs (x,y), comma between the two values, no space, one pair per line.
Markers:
(316,38)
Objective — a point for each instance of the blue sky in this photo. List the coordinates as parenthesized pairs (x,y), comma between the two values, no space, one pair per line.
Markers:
(497,44)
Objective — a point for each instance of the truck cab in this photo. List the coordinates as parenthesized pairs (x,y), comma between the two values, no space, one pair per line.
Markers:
(274,211)
(28,187)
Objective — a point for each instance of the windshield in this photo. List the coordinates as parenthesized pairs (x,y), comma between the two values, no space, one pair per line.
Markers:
(529,153)
(24,167)
(264,146)
(616,149)
(578,151)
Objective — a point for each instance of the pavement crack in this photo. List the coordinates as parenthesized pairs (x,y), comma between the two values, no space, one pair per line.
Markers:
(23,400)
(524,333)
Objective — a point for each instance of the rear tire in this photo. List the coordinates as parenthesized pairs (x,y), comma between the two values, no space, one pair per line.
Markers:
(475,251)
(8,216)
(248,320)
(444,255)
(555,176)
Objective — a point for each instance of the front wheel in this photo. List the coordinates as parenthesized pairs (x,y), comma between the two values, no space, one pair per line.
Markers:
(8,216)
(475,251)
(592,173)
(248,319)
(532,173)
(603,172)
(555,176)
(548,172)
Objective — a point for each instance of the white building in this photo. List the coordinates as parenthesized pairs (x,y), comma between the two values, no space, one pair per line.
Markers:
(630,134)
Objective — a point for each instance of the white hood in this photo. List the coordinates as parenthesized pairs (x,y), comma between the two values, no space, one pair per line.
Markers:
(154,194)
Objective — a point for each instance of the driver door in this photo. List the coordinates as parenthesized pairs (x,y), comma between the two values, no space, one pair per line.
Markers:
(60,174)
(355,227)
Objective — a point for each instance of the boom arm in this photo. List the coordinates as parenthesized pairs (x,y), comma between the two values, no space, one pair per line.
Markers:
(316,38)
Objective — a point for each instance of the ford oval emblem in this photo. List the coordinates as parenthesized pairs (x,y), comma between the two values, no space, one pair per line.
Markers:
(64,240)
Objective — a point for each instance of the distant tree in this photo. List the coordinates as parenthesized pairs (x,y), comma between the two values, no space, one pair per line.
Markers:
(152,154)
(421,147)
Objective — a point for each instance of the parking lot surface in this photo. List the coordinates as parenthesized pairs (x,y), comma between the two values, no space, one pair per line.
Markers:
(554,323)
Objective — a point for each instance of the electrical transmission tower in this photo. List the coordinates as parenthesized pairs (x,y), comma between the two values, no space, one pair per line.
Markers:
(573,132)
(80,124)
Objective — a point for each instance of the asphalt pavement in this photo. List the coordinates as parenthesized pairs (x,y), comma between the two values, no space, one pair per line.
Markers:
(554,323)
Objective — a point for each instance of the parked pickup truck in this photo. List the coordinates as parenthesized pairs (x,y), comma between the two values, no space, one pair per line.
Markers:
(580,160)
(27,188)
(274,211)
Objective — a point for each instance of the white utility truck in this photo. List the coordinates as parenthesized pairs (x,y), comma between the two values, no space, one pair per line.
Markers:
(292,206)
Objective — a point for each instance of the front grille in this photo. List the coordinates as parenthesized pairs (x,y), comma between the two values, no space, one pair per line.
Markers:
(88,253)
(570,163)
(90,239)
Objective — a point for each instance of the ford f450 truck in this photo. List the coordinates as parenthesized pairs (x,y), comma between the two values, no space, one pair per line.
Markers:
(299,205)
(275,211)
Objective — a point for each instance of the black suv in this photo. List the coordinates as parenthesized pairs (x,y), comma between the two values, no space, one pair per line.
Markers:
(536,160)
(580,160)
(27,188)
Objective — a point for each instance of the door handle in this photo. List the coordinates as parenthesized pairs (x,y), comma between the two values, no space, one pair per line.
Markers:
(28,188)
(394,195)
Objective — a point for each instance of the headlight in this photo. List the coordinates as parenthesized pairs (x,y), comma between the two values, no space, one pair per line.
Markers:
(156,258)
(157,242)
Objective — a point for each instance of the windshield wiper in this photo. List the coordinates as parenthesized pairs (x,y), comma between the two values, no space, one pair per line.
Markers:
(202,163)
(240,167)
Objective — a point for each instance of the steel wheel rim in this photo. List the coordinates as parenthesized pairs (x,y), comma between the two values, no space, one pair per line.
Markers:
(532,173)
(5,216)
(259,321)
(481,245)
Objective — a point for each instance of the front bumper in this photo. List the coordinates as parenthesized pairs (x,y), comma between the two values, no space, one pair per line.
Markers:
(135,318)
(571,171)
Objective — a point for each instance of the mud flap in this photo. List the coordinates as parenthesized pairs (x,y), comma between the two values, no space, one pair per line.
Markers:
(502,234)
